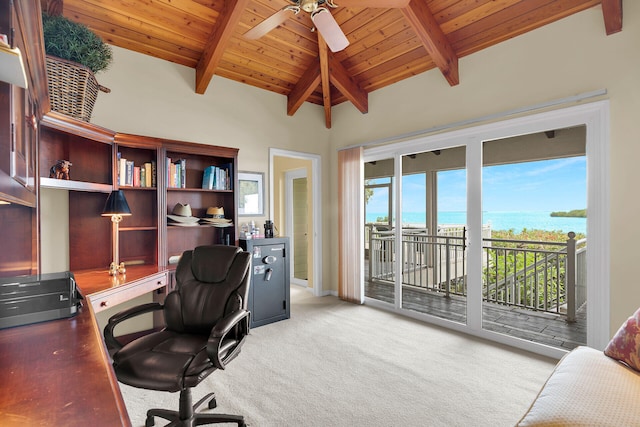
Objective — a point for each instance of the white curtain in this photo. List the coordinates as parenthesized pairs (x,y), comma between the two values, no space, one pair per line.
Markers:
(350,224)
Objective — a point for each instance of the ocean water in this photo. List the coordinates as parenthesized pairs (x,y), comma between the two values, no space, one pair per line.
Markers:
(500,220)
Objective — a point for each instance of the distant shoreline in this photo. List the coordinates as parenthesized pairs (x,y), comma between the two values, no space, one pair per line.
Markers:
(576,213)
(516,220)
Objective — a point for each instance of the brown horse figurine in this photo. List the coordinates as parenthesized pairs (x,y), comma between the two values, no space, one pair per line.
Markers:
(60,170)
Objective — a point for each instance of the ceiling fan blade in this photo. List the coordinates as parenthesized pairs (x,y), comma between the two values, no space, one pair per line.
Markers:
(271,22)
(380,4)
(330,30)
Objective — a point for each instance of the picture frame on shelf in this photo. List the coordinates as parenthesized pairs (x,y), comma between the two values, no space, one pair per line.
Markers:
(250,193)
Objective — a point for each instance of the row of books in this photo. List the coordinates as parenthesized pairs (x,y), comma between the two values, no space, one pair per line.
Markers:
(132,175)
(176,173)
(218,177)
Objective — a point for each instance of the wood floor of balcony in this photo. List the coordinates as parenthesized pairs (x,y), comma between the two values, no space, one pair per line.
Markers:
(541,327)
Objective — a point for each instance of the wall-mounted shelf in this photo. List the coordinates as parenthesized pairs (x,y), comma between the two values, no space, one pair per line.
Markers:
(74,185)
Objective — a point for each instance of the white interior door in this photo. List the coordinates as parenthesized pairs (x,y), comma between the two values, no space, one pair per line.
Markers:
(297,224)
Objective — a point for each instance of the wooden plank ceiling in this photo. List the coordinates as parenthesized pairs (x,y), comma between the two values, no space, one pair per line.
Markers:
(387,44)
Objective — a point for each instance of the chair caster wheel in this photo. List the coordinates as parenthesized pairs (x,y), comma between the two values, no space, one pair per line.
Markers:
(213,403)
(149,422)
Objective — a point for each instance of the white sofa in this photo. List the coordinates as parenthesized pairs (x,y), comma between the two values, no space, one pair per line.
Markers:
(587,388)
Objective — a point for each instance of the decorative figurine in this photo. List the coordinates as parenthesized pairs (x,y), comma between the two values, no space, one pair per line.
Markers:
(113,269)
(60,170)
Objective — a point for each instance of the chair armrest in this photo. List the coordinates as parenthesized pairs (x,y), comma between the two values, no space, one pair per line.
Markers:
(109,338)
(218,349)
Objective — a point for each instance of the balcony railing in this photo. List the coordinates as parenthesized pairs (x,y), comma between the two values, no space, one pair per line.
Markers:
(540,276)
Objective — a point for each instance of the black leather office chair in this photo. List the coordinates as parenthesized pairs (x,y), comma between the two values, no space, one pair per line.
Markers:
(206,321)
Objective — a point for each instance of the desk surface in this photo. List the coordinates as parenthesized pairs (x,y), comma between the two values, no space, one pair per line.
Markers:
(58,373)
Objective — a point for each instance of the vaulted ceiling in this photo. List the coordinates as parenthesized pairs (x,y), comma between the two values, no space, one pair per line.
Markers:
(389,40)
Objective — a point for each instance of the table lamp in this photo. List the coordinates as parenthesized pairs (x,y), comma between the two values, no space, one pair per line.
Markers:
(116,207)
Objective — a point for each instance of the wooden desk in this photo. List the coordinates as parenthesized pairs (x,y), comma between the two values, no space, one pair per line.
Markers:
(58,373)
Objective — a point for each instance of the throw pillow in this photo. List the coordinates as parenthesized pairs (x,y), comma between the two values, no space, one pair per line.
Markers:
(625,345)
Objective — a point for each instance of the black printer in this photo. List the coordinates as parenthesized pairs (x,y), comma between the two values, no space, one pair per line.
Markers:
(38,298)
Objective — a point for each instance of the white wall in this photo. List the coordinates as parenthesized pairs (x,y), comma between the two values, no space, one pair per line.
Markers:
(563,59)
(157,98)
(572,56)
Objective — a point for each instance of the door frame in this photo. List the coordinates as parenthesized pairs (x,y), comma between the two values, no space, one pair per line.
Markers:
(595,116)
(316,210)
(288,191)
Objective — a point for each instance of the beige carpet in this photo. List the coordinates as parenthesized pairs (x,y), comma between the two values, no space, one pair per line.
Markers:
(338,364)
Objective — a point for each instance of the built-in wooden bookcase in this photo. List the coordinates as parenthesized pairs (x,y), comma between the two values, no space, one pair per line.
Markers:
(103,160)
(89,148)
(196,158)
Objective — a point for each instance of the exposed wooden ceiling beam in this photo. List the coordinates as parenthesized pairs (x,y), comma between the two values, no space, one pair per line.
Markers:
(52,7)
(341,79)
(304,88)
(612,11)
(435,42)
(323,54)
(217,43)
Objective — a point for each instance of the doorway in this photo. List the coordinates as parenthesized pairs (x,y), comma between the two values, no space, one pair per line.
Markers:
(297,224)
(303,171)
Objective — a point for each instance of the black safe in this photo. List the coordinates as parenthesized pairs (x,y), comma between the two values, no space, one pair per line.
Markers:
(269,291)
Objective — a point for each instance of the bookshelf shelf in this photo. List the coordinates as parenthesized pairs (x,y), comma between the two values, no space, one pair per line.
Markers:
(198,190)
(74,185)
(125,229)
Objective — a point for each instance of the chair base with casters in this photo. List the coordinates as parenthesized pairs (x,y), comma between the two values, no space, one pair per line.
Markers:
(206,324)
(187,415)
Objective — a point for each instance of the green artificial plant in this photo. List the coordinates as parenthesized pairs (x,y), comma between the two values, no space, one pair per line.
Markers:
(75,42)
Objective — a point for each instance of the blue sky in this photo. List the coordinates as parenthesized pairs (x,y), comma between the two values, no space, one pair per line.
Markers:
(549,185)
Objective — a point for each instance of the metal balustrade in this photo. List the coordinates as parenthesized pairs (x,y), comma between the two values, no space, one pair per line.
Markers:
(540,276)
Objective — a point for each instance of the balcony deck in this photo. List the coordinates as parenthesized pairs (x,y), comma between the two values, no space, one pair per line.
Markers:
(540,327)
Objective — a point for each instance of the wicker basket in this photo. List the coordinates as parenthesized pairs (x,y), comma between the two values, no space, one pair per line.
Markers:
(73,88)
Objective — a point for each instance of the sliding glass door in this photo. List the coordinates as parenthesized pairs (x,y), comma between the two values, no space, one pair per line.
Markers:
(461,231)
(534,197)
(379,237)
(433,233)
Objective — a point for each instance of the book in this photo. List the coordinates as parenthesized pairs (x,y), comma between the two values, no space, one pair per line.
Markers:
(207,178)
(148,181)
(227,176)
(143,176)
(154,182)
(168,171)
(122,171)
(136,176)
(129,174)
(172,175)
(183,173)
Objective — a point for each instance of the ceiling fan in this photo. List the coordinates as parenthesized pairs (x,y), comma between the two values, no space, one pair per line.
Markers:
(322,19)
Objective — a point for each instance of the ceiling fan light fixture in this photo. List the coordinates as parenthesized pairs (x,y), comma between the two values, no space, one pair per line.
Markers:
(329,29)
(309,6)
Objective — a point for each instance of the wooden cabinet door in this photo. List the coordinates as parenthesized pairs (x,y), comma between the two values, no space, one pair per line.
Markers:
(24,137)
(18,128)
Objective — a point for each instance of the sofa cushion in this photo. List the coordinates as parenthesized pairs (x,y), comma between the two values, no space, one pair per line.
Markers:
(625,345)
(587,388)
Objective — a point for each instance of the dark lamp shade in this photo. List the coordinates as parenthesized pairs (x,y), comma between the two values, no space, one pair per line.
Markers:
(116,204)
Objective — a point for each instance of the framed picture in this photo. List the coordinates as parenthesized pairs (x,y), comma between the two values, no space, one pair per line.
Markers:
(250,193)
